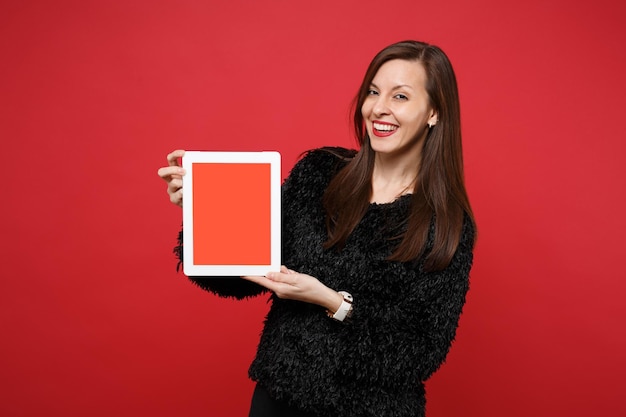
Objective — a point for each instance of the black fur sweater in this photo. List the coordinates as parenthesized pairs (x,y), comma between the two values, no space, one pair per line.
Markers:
(403,322)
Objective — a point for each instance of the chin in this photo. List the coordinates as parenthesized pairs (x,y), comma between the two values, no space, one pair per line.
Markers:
(384,145)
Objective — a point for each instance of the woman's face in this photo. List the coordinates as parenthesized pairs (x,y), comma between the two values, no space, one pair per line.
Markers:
(397,108)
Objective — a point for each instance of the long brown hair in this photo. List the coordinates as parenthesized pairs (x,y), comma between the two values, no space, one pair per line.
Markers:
(439,196)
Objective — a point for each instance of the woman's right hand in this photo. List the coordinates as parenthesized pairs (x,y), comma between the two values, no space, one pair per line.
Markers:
(172,174)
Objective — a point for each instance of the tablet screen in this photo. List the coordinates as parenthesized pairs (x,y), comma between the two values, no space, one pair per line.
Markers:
(231,213)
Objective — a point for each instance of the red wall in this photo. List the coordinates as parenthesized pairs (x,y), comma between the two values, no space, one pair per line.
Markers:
(94,94)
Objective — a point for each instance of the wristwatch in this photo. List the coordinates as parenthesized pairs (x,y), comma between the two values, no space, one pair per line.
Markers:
(345,309)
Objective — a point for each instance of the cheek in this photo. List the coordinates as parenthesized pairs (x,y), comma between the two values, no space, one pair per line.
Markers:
(366,109)
(414,116)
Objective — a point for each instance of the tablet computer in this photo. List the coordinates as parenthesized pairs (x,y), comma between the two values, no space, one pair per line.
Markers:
(231,213)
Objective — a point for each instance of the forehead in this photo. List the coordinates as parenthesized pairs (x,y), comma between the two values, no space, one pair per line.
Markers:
(400,72)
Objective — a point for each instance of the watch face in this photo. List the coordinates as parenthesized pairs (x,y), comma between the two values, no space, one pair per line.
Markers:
(345,309)
(346,296)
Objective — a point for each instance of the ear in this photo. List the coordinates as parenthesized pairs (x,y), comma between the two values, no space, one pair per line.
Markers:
(432,120)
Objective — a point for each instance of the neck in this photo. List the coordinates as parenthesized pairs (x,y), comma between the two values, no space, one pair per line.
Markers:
(393,177)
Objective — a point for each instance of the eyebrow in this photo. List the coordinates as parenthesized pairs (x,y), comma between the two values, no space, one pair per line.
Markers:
(394,88)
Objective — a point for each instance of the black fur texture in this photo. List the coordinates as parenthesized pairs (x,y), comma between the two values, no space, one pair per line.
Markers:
(403,323)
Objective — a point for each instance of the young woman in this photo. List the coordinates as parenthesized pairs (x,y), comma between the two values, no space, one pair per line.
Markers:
(377,247)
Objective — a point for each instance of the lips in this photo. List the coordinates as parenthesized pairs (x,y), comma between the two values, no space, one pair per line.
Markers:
(383,129)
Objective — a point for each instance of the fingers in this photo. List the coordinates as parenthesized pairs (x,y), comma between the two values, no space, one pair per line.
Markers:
(173,168)
(283,284)
(286,277)
(263,281)
(174,185)
(173,159)
(286,270)
(170,172)
(177,197)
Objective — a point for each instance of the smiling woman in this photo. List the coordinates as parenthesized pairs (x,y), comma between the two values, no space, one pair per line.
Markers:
(397,112)
(377,246)
(431,170)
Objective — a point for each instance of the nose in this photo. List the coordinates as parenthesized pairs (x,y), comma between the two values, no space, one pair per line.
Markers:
(381,106)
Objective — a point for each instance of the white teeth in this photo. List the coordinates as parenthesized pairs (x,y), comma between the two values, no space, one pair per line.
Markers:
(386,128)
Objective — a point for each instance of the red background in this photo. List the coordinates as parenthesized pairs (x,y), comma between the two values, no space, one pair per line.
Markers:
(94,94)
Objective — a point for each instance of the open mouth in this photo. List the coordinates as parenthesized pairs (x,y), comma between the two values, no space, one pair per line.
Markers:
(383,129)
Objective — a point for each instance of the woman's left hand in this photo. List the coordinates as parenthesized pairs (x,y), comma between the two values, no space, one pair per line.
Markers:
(291,285)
